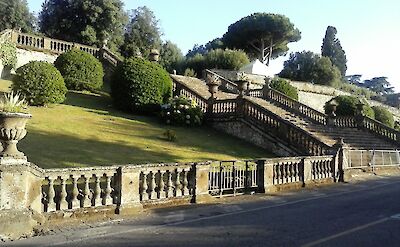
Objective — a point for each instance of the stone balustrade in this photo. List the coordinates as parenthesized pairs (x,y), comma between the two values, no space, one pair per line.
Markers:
(294,106)
(180,89)
(225,83)
(345,121)
(380,129)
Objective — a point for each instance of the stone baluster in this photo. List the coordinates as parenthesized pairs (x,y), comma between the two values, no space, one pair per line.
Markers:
(161,186)
(178,185)
(74,193)
(144,187)
(97,192)
(169,191)
(107,199)
(63,194)
(185,183)
(51,205)
(86,197)
(152,186)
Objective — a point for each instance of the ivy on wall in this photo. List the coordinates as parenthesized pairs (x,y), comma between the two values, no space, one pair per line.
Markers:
(8,53)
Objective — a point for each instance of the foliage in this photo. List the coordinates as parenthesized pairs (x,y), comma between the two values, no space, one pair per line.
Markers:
(11,102)
(14,14)
(189,72)
(308,66)
(383,115)
(84,21)
(182,111)
(170,135)
(170,56)
(262,35)
(8,53)
(332,49)
(141,86)
(203,49)
(284,87)
(379,85)
(81,70)
(142,33)
(347,106)
(218,59)
(357,90)
(40,83)
(353,79)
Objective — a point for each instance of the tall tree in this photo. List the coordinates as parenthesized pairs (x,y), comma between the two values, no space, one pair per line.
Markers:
(262,35)
(353,79)
(308,66)
(142,33)
(14,14)
(332,48)
(379,85)
(84,21)
(170,56)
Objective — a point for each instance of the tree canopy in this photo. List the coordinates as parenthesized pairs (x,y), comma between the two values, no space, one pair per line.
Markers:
(84,21)
(379,85)
(262,35)
(142,33)
(170,56)
(308,66)
(332,48)
(14,14)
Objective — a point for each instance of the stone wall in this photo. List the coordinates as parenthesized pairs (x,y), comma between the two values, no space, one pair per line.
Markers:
(26,56)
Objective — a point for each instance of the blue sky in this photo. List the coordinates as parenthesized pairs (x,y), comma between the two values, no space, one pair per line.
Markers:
(369,30)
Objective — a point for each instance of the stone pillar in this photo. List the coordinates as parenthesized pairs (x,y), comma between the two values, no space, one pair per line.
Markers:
(359,116)
(129,190)
(20,198)
(307,170)
(332,113)
(201,183)
(340,159)
(266,88)
(268,178)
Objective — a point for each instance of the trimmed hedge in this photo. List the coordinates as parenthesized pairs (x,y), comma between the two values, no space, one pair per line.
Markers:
(81,70)
(141,86)
(284,87)
(40,83)
(383,115)
(347,106)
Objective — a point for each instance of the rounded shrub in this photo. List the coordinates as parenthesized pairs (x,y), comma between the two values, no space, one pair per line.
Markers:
(182,111)
(40,83)
(81,70)
(284,87)
(347,106)
(383,115)
(141,86)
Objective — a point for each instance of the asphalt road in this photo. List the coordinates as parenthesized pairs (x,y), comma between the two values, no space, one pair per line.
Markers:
(362,214)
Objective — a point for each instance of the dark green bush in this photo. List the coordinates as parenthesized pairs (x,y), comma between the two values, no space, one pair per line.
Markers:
(81,70)
(347,106)
(141,86)
(284,87)
(383,115)
(182,111)
(40,83)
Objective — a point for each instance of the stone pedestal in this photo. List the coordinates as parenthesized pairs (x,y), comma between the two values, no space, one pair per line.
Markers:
(130,197)
(201,192)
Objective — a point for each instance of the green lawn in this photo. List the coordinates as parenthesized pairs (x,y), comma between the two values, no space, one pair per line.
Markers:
(87,131)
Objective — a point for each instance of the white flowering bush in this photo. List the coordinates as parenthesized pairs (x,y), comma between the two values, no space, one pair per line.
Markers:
(182,111)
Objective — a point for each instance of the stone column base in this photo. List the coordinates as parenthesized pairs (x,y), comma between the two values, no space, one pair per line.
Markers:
(15,224)
(203,199)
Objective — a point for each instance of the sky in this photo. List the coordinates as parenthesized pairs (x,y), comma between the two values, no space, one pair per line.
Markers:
(369,30)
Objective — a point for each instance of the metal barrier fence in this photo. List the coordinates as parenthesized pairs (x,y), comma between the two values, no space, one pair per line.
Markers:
(232,177)
(372,158)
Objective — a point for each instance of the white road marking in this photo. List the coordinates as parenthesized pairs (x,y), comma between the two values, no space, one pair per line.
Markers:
(355,229)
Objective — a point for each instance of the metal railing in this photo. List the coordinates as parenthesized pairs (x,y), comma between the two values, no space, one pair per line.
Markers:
(372,158)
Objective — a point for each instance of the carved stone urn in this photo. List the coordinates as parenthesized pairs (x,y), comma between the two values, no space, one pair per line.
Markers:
(12,130)
(213,88)
(241,86)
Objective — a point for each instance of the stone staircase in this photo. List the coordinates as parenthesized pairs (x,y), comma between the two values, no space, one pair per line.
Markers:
(353,136)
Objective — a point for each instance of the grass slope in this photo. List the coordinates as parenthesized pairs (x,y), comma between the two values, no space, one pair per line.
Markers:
(87,131)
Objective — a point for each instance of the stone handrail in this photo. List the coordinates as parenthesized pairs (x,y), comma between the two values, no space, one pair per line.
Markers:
(295,106)
(271,124)
(345,121)
(380,129)
(109,56)
(287,131)
(181,89)
(225,83)
(44,44)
